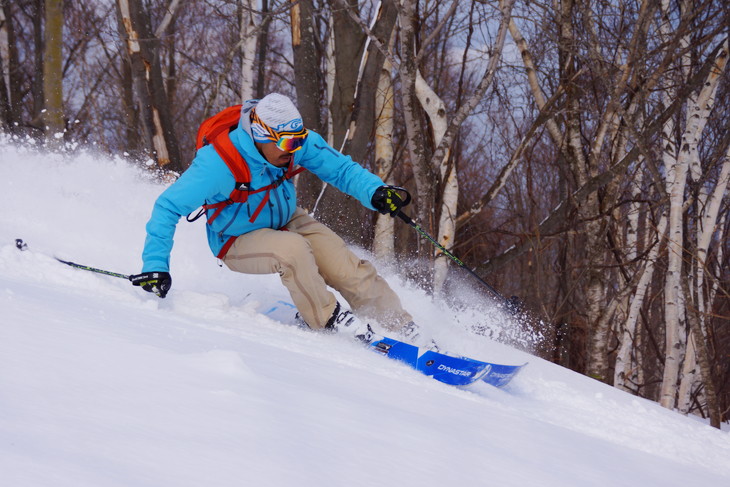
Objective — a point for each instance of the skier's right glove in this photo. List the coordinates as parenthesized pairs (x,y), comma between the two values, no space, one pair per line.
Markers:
(153,282)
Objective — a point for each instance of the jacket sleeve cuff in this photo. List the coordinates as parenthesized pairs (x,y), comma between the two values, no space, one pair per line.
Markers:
(156,266)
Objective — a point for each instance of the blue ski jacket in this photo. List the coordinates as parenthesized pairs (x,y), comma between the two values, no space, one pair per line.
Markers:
(208,180)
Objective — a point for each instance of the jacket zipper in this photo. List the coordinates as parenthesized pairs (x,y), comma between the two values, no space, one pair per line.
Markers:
(279,211)
(230,222)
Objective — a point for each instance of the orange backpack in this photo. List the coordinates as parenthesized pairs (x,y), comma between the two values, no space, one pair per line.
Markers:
(215,130)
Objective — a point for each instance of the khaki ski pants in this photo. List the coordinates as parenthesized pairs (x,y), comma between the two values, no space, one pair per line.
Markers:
(309,256)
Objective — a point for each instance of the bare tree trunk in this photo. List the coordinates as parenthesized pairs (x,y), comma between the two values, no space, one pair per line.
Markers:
(361,123)
(38,63)
(436,111)
(626,367)
(689,376)
(710,221)
(625,363)
(5,92)
(330,78)
(444,137)
(673,305)
(143,54)
(52,73)
(423,172)
(707,208)
(357,69)
(582,170)
(531,71)
(308,82)
(131,113)
(708,203)
(249,21)
(383,242)
(10,69)
(169,17)
(263,38)
(698,111)
(703,358)
(307,72)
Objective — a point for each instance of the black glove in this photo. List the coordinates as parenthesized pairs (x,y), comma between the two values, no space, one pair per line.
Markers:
(153,282)
(387,199)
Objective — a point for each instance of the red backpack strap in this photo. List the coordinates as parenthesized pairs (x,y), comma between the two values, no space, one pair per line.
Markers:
(291,172)
(233,159)
(226,247)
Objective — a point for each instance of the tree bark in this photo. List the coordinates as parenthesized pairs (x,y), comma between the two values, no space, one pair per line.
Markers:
(423,173)
(142,49)
(435,108)
(703,358)
(263,38)
(307,61)
(10,69)
(357,69)
(308,82)
(626,366)
(383,241)
(131,112)
(249,22)
(38,63)
(52,73)
(698,111)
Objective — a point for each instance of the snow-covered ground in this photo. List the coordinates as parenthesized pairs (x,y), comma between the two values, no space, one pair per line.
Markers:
(102,384)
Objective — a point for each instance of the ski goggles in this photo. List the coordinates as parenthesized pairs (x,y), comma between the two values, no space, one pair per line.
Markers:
(291,143)
(287,141)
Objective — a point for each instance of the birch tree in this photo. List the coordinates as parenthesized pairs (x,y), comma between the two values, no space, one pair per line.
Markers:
(698,110)
(675,181)
(628,364)
(383,239)
(708,201)
(436,111)
(249,23)
(589,134)
(444,128)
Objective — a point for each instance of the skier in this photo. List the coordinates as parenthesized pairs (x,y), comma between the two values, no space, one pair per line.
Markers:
(267,233)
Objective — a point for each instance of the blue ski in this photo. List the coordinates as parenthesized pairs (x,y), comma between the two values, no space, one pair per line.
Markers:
(449,369)
(456,371)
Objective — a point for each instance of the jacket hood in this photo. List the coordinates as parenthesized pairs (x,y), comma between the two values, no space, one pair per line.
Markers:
(245,122)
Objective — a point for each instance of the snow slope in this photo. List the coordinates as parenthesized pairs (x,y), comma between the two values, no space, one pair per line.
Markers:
(102,384)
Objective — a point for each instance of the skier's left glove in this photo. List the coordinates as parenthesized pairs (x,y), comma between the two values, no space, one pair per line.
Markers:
(387,200)
(153,282)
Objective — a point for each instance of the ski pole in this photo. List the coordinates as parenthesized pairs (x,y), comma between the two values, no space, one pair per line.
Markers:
(21,245)
(512,303)
(93,269)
